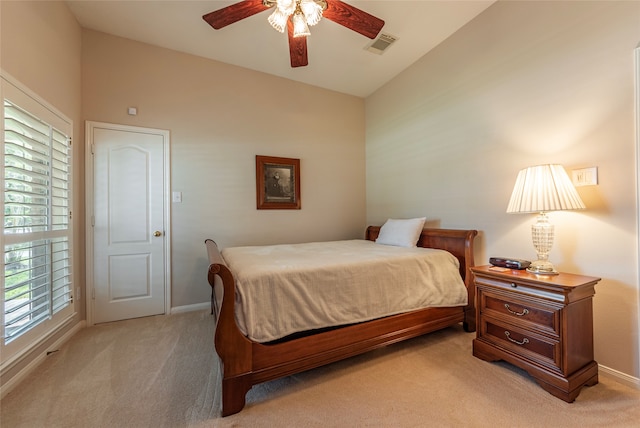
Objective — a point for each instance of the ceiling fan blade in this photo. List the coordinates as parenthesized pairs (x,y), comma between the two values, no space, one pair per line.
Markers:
(297,48)
(228,15)
(353,18)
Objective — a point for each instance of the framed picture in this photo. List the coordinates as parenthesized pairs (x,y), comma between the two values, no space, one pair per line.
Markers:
(277,183)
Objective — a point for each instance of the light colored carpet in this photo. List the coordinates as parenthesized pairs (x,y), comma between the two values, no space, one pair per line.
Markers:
(162,372)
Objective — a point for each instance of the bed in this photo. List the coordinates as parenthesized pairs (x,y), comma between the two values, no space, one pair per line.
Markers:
(246,362)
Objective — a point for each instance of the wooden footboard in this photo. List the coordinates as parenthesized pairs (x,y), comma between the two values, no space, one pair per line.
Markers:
(246,363)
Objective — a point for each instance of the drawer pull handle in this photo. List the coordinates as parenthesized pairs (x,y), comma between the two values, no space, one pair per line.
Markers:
(518,314)
(524,341)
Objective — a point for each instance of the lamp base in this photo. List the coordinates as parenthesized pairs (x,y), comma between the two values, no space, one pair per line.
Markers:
(542,234)
(542,267)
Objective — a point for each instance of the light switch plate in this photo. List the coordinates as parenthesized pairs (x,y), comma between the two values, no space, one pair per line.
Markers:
(176,196)
(585,176)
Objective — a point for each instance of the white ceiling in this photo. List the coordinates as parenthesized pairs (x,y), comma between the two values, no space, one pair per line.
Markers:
(337,58)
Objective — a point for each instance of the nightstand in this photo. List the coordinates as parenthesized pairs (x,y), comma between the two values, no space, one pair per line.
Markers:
(540,323)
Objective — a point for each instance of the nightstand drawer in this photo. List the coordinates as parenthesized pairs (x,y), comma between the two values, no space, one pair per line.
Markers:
(515,285)
(526,313)
(540,349)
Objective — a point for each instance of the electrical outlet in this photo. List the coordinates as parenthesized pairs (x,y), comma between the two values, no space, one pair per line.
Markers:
(585,176)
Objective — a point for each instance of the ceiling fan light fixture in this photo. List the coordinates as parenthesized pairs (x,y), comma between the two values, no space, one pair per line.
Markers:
(303,13)
(286,6)
(312,11)
(278,20)
(300,28)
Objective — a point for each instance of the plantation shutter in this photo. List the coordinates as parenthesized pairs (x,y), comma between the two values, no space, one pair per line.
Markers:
(38,289)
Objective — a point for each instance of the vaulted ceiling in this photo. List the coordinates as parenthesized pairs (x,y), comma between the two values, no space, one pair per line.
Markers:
(337,56)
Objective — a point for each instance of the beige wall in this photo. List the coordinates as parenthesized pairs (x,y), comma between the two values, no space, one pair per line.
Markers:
(220,117)
(524,83)
(37,37)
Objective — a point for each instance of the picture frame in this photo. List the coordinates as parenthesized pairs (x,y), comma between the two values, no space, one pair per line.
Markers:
(277,183)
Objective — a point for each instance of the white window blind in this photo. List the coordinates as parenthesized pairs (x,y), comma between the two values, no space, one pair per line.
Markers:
(37,286)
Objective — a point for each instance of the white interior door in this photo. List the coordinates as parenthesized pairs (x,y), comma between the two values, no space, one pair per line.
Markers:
(129,222)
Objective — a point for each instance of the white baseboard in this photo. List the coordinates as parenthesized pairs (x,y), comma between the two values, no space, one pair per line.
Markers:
(22,374)
(191,308)
(620,377)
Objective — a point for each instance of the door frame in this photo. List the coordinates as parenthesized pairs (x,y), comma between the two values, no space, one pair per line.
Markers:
(636,53)
(90,208)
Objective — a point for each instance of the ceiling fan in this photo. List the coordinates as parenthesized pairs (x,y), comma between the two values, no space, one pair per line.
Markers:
(296,16)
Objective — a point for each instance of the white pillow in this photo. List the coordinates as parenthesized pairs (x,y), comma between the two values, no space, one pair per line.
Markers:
(401,233)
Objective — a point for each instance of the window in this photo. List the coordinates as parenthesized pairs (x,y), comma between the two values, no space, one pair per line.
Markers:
(37,289)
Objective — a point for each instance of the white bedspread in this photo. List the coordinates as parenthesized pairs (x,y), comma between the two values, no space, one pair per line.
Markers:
(284,289)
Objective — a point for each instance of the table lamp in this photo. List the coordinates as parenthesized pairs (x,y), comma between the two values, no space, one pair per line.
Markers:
(540,189)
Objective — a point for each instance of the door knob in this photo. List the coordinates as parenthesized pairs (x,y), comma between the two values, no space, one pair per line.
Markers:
(157,233)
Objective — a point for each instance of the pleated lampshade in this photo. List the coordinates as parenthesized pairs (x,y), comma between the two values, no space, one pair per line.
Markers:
(544,188)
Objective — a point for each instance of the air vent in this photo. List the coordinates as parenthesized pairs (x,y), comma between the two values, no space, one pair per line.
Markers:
(381,43)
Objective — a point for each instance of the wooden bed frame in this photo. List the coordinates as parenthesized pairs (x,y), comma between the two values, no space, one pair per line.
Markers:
(245,363)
